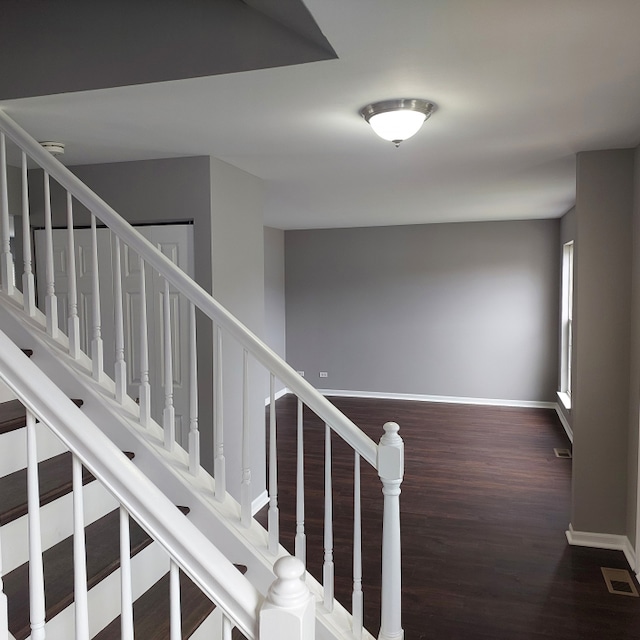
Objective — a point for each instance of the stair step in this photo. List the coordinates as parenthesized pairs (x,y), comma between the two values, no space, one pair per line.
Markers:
(55,480)
(27,352)
(13,415)
(151,611)
(103,558)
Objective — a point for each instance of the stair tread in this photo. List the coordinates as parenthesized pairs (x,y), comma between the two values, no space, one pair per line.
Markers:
(151,611)
(103,557)
(13,415)
(55,480)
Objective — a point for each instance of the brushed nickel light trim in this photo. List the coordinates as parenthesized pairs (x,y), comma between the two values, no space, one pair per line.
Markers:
(399,105)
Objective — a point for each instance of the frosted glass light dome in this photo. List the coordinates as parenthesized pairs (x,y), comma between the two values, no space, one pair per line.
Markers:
(397,120)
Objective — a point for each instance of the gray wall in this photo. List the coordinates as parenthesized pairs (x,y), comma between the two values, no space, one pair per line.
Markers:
(274,298)
(237,243)
(467,310)
(634,378)
(600,407)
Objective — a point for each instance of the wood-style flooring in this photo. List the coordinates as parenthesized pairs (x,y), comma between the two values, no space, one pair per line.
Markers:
(484,507)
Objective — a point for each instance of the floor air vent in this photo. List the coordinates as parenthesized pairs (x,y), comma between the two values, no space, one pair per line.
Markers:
(619,582)
(562,453)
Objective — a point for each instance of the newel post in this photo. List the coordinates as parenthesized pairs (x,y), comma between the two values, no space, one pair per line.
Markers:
(289,610)
(391,470)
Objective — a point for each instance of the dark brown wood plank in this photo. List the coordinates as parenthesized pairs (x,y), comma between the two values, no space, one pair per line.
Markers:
(151,611)
(484,508)
(103,557)
(54,480)
(13,415)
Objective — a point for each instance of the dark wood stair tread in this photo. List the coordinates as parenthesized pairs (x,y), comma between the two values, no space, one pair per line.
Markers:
(151,611)
(13,415)
(55,480)
(103,557)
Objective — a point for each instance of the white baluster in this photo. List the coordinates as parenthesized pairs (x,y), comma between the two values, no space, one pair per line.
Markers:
(174,602)
(120,370)
(4,613)
(36,572)
(391,470)
(145,388)
(28,284)
(6,258)
(79,556)
(288,611)
(97,356)
(273,517)
(194,434)
(301,539)
(126,595)
(245,487)
(73,321)
(219,470)
(51,302)
(327,569)
(227,628)
(357,598)
(169,413)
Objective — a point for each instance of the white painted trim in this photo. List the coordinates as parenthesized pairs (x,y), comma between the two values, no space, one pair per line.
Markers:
(565,423)
(565,399)
(493,402)
(277,396)
(259,502)
(603,541)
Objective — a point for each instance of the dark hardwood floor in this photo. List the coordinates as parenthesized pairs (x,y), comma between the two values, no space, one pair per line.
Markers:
(484,507)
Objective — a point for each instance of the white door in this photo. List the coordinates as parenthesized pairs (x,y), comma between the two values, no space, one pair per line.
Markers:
(176,242)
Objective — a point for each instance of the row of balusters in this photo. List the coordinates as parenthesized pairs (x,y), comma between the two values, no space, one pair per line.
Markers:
(168,417)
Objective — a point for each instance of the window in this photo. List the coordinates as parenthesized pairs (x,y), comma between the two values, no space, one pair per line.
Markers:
(566,340)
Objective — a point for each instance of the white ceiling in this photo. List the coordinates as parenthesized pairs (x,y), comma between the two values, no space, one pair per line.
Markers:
(520,87)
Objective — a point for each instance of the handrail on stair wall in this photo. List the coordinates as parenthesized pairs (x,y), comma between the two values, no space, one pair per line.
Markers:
(360,442)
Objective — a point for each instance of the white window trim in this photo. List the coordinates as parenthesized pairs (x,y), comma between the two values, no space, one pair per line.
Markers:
(566,324)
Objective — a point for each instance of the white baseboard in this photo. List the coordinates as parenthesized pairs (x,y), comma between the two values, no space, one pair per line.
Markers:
(492,402)
(279,394)
(603,541)
(259,502)
(565,423)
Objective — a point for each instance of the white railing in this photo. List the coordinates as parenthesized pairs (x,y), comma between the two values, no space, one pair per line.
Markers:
(188,549)
(386,457)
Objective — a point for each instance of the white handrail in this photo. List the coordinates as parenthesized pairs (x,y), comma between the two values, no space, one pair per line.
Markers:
(364,445)
(191,549)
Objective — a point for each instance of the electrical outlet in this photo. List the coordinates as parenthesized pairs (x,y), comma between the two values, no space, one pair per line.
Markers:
(300,373)
(324,374)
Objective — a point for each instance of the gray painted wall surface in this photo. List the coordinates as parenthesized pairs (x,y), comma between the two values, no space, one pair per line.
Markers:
(604,202)
(468,310)
(634,377)
(237,240)
(274,298)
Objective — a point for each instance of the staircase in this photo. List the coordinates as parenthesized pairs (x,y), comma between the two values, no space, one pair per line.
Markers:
(105,549)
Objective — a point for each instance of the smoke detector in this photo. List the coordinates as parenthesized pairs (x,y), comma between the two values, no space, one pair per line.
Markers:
(54,148)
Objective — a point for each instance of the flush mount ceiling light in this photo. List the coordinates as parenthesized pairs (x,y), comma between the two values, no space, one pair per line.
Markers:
(397,120)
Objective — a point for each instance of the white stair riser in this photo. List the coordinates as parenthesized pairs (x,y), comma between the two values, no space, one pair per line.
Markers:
(56,524)
(13,452)
(147,567)
(211,628)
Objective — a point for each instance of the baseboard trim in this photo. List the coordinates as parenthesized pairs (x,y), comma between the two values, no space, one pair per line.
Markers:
(603,541)
(259,502)
(493,402)
(279,394)
(565,423)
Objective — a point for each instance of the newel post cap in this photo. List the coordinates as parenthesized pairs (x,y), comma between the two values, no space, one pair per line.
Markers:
(391,454)
(288,612)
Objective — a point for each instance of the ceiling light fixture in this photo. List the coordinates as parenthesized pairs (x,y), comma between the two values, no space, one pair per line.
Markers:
(397,120)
